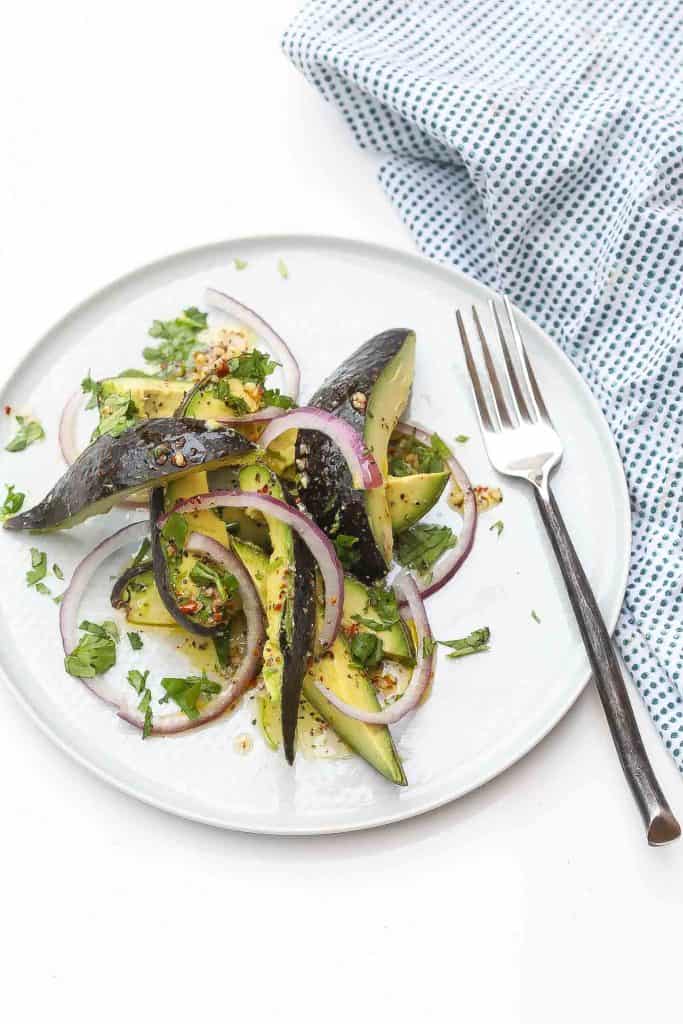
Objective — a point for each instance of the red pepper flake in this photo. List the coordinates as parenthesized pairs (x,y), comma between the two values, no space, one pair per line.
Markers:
(189,608)
(8,410)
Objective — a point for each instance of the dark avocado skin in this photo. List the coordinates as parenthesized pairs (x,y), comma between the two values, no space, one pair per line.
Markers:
(119,588)
(295,656)
(329,492)
(113,466)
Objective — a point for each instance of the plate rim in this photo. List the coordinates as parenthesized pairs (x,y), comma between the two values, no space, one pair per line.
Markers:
(416,259)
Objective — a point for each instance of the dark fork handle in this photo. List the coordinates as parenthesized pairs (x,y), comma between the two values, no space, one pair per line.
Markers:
(659,820)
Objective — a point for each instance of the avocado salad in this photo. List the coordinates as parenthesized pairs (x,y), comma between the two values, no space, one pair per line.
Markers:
(284,545)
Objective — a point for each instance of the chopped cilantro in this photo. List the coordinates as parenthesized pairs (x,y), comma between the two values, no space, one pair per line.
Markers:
(42,589)
(107,629)
(367,649)
(272,396)
(38,570)
(29,431)
(477,641)
(94,654)
(421,546)
(534,616)
(138,680)
(498,526)
(135,641)
(186,692)
(222,390)
(440,447)
(179,337)
(344,545)
(221,642)
(175,530)
(12,504)
(117,414)
(142,552)
(282,269)
(91,387)
(253,366)
(147,724)
(462,438)
(407,455)
(383,601)
(240,264)
(57,572)
(208,576)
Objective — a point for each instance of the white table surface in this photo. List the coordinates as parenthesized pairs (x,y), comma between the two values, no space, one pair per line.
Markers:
(131,130)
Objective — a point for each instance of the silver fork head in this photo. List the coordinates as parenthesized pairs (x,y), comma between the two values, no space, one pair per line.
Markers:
(518,433)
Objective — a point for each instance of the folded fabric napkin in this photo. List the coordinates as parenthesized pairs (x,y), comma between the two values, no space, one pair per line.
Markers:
(538,145)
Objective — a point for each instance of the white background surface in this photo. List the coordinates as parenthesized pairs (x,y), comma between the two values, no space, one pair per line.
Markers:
(129,131)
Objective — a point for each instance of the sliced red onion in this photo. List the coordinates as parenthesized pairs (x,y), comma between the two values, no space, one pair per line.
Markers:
(102,686)
(364,470)
(238,311)
(407,594)
(450,562)
(320,546)
(67,427)
(249,668)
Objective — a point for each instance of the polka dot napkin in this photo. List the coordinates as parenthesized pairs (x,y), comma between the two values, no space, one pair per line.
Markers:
(538,145)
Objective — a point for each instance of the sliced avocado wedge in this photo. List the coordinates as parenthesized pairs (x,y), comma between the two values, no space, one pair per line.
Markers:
(152,397)
(369,390)
(340,674)
(411,497)
(290,608)
(395,640)
(152,454)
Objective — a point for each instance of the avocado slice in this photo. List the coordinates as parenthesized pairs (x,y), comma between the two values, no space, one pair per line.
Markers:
(152,397)
(339,673)
(369,390)
(411,497)
(395,640)
(152,454)
(290,608)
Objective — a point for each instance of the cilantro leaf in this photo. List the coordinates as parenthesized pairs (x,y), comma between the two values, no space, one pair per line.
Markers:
(534,616)
(94,654)
(91,387)
(344,545)
(42,589)
(440,448)
(239,264)
(29,431)
(221,389)
(57,572)
(498,526)
(12,504)
(38,570)
(252,366)
(138,680)
(207,576)
(282,269)
(179,337)
(474,643)
(383,601)
(272,396)
(117,414)
(462,438)
(107,629)
(142,552)
(175,530)
(367,649)
(135,641)
(421,546)
(186,692)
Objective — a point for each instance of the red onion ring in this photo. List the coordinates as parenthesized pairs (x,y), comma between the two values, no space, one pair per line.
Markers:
(407,592)
(319,544)
(250,666)
(450,562)
(104,688)
(247,316)
(365,472)
(67,427)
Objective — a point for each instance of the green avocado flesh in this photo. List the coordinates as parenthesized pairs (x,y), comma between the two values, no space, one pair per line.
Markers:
(386,403)
(338,673)
(395,640)
(411,497)
(279,579)
(153,397)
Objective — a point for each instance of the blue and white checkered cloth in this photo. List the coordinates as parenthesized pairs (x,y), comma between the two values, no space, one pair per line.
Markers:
(538,145)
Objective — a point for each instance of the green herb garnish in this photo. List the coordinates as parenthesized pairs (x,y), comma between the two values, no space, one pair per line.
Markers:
(179,337)
(138,680)
(95,653)
(175,530)
(221,643)
(462,438)
(107,629)
(476,642)
(282,269)
(29,431)
(252,366)
(498,526)
(12,504)
(367,649)
(91,387)
(421,546)
(222,391)
(142,552)
(240,264)
(42,589)
(135,641)
(534,616)
(186,692)
(57,572)
(38,570)
(207,576)
(344,545)
(440,448)
(272,396)
(118,414)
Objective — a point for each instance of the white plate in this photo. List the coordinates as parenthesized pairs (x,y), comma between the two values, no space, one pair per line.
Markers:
(485,711)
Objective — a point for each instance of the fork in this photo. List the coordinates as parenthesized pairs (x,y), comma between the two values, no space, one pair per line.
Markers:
(521,441)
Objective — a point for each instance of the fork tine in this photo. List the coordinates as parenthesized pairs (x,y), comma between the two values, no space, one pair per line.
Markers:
(533,390)
(477,390)
(513,379)
(498,397)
